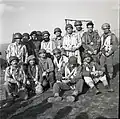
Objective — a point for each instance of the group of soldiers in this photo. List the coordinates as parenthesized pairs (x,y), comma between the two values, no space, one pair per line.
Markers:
(37,62)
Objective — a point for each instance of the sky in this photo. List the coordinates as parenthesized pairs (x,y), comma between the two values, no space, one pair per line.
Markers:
(27,15)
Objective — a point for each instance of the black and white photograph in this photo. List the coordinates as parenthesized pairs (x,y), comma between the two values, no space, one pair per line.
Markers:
(59,59)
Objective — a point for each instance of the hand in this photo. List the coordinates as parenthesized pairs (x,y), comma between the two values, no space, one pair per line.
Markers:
(95,52)
(44,74)
(107,54)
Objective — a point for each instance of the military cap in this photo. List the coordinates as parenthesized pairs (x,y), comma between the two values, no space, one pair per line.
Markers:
(56,51)
(105,25)
(78,23)
(57,30)
(31,57)
(72,60)
(13,58)
(33,32)
(42,51)
(90,23)
(68,26)
(17,36)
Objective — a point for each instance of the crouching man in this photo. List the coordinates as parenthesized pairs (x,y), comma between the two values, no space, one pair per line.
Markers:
(72,81)
(14,78)
(93,73)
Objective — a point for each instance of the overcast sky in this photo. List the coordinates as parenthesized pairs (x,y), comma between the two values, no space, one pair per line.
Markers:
(27,15)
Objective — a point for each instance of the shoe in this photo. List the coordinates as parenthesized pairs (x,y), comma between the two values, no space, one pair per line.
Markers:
(97,92)
(109,89)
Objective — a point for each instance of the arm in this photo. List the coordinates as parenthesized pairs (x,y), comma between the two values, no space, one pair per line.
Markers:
(51,66)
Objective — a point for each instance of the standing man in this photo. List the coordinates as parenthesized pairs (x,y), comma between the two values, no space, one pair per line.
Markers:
(35,44)
(71,43)
(109,44)
(17,49)
(91,41)
(79,33)
(58,40)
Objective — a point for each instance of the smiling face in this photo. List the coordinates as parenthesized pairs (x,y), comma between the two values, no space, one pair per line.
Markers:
(18,41)
(57,55)
(32,62)
(78,28)
(106,30)
(58,34)
(69,30)
(14,63)
(42,55)
(90,28)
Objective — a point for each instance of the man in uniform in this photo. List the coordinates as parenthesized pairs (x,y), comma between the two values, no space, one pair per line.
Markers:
(71,43)
(109,44)
(35,44)
(79,32)
(91,41)
(17,49)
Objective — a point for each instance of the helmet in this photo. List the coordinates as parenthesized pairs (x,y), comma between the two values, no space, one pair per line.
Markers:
(45,32)
(26,34)
(13,58)
(31,57)
(17,36)
(105,25)
(39,33)
(72,60)
(42,51)
(68,26)
(78,23)
(33,32)
(90,23)
(57,30)
(56,51)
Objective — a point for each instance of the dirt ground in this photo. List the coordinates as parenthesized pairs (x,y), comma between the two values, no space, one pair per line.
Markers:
(87,106)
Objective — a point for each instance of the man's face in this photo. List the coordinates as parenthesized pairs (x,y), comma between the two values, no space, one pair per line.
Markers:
(32,62)
(87,59)
(42,55)
(78,28)
(46,37)
(34,37)
(58,55)
(90,28)
(25,39)
(58,34)
(18,41)
(69,30)
(14,63)
(106,30)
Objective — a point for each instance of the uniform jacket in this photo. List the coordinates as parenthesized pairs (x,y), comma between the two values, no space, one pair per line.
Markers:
(109,43)
(91,67)
(60,67)
(17,50)
(91,41)
(58,42)
(75,74)
(14,74)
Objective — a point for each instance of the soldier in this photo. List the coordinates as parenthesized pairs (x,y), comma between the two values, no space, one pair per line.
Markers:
(59,62)
(72,80)
(71,43)
(25,41)
(58,38)
(47,44)
(39,36)
(91,41)
(14,77)
(35,44)
(17,49)
(109,44)
(46,70)
(79,32)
